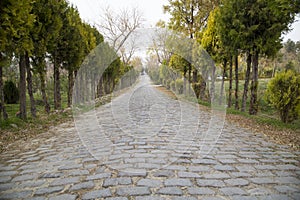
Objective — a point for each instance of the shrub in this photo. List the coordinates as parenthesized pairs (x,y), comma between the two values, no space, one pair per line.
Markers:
(283,92)
(11,92)
(179,86)
(172,85)
(197,88)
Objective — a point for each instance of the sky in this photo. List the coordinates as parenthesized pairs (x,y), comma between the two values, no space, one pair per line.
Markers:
(90,11)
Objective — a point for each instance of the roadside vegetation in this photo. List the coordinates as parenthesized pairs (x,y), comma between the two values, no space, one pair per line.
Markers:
(255,74)
(40,58)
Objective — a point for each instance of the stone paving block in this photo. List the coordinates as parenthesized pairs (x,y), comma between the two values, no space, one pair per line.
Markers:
(263,173)
(227,161)
(287,167)
(48,190)
(83,185)
(200,191)
(25,177)
(176,167)
(212,198)
(240,174)
(236,197)
(149,182)
(6,186)
(204,161)
(170,191)
(163,173)
(296,195)
(116,198)
(16,195)
(274,197)
(133,191)
(210,183)
(97,194)
(30,184)
(117,181)
(237,182)
(149,166)
(287,180)
(177,182)
(265,167)
(79,172)
(264,180)
(216,176)
(37,198)
(182,174)
(259,191)
(224,168)
(245,168)
(70,166)
(5,179)
(133,173)
(199,168)
(52,175)
(230,191)
(184,198)
(286,189)
(64,197)
(99,176)
(7,173)
(149,198)
(65,181)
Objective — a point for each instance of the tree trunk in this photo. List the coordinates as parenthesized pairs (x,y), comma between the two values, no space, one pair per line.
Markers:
(190,79)
(29,87)
(195,73)
(254,85)
(230,84)
(70,87)
(100,87)
(22,87)
(2,106)
(43,90)
(57,97)
(223,80)
(247,80)
(236,93)
(212,86)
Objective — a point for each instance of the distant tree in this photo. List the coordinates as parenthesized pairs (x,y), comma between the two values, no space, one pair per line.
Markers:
(290,46)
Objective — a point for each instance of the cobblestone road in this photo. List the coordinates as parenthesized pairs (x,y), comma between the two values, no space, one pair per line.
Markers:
(146,145)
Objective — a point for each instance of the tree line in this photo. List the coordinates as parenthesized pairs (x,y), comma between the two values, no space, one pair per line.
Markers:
(43,37)
(230,30)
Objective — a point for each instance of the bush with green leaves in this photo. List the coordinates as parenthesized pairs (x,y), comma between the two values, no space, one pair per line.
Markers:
(11,92)
(179,86)
(283,92)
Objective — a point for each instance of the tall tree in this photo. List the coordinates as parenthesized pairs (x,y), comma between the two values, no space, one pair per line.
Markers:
(189,17)
(18,21)
(256,27)
(44,34)
(57,49)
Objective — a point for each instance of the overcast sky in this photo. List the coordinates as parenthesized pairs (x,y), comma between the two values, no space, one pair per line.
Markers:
(90,11)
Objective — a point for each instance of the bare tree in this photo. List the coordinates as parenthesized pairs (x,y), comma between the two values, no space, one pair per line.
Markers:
(117,27)
(159,44)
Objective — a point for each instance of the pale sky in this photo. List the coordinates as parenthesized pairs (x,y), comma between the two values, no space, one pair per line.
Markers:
(90,11)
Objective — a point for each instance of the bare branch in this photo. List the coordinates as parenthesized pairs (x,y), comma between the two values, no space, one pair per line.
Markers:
(117,28)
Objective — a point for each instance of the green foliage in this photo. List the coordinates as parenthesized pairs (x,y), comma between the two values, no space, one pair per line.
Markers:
(179,64)
(283,92)
(172,86)
(11,92)
(188,16)
(179,86)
